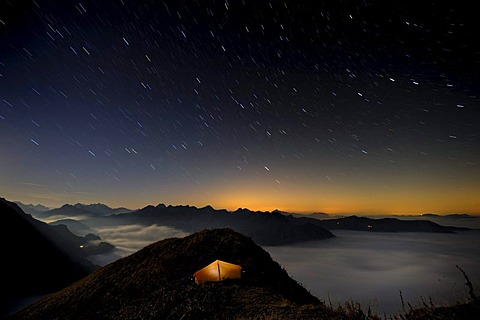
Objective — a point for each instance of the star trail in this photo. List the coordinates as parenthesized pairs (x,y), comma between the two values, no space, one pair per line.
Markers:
(359,106)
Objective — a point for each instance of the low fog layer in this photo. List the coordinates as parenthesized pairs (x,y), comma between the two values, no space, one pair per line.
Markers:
(131,238)
(373,267)
(128,239)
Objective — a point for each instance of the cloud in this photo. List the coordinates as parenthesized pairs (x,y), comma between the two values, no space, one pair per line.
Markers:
(374,267)
(57,217)
(32,184)
(131,238)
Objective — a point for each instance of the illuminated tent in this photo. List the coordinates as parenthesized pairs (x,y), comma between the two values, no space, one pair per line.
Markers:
(218,271)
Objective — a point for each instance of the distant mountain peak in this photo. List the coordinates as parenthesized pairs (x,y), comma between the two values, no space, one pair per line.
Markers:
(243,210)
(266,228)
(32,209)
(38,207)
(92,206)
(95,209)
(68,206)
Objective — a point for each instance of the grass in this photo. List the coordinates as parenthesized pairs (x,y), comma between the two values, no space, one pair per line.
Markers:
(461,310)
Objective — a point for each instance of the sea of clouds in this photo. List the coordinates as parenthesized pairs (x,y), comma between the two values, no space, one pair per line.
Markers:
(367,267)
(372,268)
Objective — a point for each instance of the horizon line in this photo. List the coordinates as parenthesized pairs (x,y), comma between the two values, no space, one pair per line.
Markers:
(301,212)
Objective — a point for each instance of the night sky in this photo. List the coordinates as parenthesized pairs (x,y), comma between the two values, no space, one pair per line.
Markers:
(335,106)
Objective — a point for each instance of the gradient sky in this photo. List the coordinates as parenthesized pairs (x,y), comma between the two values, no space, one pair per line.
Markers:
(295,105)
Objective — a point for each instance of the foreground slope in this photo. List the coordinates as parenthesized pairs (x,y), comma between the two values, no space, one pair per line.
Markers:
(157,282)
(33,264)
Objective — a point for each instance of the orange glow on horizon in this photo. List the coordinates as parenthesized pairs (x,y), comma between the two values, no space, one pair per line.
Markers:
(265,195)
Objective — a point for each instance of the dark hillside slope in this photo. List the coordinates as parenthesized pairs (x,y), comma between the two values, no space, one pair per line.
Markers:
(156,282)
(31,263)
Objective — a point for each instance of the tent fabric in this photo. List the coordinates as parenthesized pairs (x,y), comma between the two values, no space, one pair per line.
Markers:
(217,271)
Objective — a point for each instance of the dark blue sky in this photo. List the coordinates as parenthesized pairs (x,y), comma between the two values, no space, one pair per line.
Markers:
(346,107)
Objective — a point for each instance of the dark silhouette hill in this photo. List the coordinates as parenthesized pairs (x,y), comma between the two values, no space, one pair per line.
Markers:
(385,225)
(265,228)
(318,215)
(450,216)
(156,283)
(453,218)
(314,215)
(33,261)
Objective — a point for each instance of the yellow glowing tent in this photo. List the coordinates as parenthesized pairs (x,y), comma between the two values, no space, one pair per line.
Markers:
(218,271)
